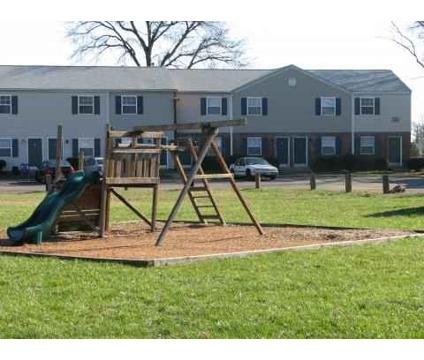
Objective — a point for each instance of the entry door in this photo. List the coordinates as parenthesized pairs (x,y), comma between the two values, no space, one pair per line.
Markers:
(300,151)
(52,148)
(395,150)
(35,151)
(283,151)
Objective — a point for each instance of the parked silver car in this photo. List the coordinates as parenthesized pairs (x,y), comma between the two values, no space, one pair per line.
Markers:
(92,164)
(250,166)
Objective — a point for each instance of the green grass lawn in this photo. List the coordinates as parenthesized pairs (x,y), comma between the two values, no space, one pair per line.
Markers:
(367,291)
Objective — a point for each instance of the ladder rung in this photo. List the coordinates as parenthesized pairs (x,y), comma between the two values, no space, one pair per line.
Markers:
(210,217)
(213,176)
(197,188)
(201,197)
(204,206)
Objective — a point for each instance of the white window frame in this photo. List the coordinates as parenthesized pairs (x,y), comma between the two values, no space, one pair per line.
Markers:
(80,147)
(361,107)
(255,139)
(128,106)
(325,100)
(217,107)
(9,104)
(367,142)
(253,106)
(10,147)
(328,142)
(85,105)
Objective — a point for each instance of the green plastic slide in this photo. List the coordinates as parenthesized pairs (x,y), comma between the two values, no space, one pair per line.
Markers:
(40,223)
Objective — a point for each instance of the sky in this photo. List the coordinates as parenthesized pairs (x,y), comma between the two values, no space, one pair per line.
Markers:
(310,43)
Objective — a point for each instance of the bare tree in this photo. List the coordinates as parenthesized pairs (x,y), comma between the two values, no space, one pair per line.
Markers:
(418,136)
(175,44)
(411,42)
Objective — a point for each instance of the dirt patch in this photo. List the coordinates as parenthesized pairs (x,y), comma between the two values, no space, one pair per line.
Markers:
(133,241)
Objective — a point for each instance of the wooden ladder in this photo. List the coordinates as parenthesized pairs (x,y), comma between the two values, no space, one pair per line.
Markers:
(199,193)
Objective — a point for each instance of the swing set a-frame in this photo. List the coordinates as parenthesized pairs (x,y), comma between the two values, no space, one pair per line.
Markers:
(136,164)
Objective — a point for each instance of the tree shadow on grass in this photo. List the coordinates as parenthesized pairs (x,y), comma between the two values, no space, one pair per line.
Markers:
(400,212)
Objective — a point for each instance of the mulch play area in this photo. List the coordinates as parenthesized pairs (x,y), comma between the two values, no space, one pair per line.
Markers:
(133,243)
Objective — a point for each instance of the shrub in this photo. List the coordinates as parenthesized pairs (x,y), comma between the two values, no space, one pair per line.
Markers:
(2,164)
(348,162)
(415,163)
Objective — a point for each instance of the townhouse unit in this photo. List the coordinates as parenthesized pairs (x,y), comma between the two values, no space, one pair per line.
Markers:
(293,115)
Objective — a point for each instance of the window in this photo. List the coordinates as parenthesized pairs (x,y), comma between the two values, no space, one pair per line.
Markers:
(218,142)
(328,145)
(367,106)
(85,104)
(6,147)
(129,104)
(254,106)
(5,104)
(86,145)
(254,146)
(367,145)
(213,105)
(328,105)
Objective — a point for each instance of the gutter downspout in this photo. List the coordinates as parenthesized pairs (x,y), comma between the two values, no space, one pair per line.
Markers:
(231,128)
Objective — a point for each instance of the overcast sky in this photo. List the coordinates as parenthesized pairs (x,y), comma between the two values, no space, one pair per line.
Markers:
(316,41)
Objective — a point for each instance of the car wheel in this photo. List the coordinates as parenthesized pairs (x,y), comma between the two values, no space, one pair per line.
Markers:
(272,177)
(248,174)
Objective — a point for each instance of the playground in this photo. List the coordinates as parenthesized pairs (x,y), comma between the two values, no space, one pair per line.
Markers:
(73,220)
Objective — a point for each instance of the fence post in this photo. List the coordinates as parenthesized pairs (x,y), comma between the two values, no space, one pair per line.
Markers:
(386,184)
(348,182)
(257,181)
(49,182)
(312,181)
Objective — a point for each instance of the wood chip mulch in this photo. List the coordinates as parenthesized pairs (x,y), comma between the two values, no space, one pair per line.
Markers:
(133,241)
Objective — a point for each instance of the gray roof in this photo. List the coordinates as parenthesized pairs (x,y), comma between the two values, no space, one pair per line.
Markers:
(158,79)
(363,80)
(84,78)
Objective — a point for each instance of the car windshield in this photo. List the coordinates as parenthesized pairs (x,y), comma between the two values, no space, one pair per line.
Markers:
(100,161)
(256,161)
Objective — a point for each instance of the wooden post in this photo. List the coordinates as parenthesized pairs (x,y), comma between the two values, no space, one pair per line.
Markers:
(49,182)
(312,181)
(386,184)
(58,170)
(81,160)
(257,181)
(348,182)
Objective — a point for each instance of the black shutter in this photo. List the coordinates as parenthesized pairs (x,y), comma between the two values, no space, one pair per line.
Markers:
(338,145)
(377,106)
(244,106)
(202,106)
(338,106)
(357,144)
(317,106)
(97,105)
(14,104)
(118,104)
(224,106)
(318,150)
(265,106)
(74,147)
(140,105)
(378,146)
(243,150)
(74,104)
(96,147)
(15,148)
(357,106)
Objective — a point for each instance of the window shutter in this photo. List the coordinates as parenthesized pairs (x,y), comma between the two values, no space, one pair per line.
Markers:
(14,104)
(224,106)
(118,104)
(244,106)
(74,104)
(140,105)
(202,106)
(264,106)
(357,106)
(97,105)
(318,149)
(357,144)
(338,106)
(74,147)
(338,145)
(96,147)
(377,106)
(317,106)
(15,148)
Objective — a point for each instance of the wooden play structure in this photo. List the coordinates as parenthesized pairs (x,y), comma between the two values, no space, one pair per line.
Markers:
(132,160)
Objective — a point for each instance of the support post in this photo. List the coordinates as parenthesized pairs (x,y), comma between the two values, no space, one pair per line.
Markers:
(257,181)
(348,182)
(312,181)
(386,184)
